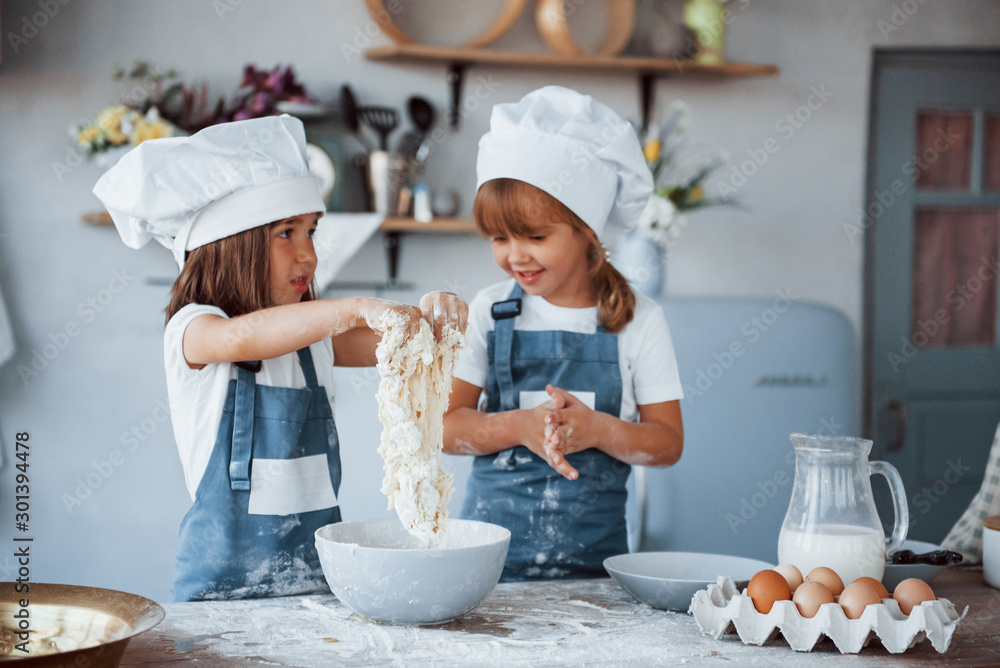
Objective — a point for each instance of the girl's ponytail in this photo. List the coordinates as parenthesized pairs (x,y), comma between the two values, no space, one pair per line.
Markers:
(615,299)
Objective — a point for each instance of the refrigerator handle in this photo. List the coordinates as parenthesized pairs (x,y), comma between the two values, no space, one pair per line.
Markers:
(891,425)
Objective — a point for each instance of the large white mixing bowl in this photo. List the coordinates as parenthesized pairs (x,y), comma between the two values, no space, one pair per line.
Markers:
(380,571)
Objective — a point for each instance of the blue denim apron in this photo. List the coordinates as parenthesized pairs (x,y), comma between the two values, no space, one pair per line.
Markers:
(560,529)
(235,546)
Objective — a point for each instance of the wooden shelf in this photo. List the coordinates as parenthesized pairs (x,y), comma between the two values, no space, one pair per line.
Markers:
(638,64)
(645,67)
(438,225)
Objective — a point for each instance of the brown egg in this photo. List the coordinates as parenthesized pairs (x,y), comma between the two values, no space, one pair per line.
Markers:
(792,575)
(911,593)
(828,577)
(856,597)
(809,596)
(876,585)
(765,588)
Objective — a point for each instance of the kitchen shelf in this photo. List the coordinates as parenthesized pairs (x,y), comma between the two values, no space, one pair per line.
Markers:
(647,68)
(396,225)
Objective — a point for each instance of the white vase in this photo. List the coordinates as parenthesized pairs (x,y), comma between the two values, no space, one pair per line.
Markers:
(642,261)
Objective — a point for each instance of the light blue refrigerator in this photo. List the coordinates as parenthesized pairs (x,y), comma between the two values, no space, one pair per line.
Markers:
(754,371)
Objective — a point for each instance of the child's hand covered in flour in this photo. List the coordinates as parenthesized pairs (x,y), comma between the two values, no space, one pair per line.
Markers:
(570,426)
(535,432)
(444,308)
(379,314)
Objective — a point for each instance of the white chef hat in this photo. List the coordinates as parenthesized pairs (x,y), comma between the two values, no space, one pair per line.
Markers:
(575,149)
(187,192)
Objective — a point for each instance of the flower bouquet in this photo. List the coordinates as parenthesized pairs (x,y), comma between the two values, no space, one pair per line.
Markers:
(159,105)
(680,171)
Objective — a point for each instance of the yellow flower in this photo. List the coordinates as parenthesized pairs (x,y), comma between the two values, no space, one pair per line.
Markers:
(651,151)
(110,123)
(145,129)
(696,194)
(88,135)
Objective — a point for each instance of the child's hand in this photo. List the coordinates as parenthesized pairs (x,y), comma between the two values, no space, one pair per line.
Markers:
(569,425)
(535,436)
(444,308)
(376,313)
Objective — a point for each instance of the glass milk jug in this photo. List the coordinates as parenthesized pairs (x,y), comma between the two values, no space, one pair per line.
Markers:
(831,519)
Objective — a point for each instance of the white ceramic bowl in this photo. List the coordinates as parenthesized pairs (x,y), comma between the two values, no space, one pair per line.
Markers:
(668,580)
(896,573)
(381,572)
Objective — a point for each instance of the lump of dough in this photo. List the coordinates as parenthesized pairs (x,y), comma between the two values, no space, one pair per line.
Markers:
(412,398)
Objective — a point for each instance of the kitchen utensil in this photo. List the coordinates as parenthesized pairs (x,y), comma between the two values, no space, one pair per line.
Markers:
(349,110)
(381,119)
(668,580)
(933,558)
(72,625)
(421,113)
(408,145)
(832,520)
(387,174)
(508,16)
(896,573)
(550,18)
(380,571)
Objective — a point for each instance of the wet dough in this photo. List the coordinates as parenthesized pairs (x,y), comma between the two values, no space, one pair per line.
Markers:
(412,398)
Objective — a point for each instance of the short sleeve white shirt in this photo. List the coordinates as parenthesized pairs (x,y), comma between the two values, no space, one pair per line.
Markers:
(197,396)
(645,348)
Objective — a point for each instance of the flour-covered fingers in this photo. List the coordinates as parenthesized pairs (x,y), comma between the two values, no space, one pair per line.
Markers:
(444,309)
(557,461)
(380,314)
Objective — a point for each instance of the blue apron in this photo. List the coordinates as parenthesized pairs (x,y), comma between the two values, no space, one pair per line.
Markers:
(237,541)
(560,529)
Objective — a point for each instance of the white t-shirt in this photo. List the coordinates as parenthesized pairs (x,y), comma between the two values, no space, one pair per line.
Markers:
(645,348)
(197,396)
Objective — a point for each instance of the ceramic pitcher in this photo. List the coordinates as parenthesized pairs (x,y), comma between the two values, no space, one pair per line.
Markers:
(831,519)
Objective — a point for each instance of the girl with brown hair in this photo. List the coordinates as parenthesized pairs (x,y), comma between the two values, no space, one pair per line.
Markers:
(566,354)
(249,350)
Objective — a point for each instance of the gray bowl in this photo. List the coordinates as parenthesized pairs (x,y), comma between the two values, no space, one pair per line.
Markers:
(668,580)
(896,573)
(382,572)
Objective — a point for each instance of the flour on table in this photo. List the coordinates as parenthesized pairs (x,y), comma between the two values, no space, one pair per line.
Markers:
(412,398)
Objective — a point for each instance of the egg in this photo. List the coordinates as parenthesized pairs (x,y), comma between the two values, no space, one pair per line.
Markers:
(792,575)
(828,577)
(911,593)
(765,588)
(876,585)
(856,597)
(809,596)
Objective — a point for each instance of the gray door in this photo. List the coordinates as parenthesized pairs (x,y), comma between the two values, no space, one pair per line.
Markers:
(932,225)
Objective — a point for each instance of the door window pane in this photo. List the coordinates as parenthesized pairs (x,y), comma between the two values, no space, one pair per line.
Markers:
(955,277)
(991,156)
(944,150)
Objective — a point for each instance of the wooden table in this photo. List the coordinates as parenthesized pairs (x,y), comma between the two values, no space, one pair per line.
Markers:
(583,622)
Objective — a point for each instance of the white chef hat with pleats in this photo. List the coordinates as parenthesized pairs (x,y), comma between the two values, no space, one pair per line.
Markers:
(575,149)
(187,192)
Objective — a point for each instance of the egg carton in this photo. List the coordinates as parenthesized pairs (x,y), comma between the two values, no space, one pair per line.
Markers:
(721,607)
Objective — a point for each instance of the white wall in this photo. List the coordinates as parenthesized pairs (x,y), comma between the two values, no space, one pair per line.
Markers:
(105,378)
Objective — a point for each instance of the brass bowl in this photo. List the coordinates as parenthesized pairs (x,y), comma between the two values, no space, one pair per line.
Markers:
(68,625)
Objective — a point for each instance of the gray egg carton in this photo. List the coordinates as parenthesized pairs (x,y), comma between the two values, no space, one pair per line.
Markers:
(721,608)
